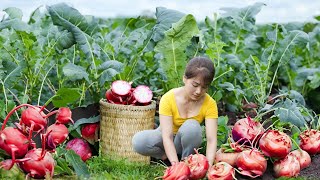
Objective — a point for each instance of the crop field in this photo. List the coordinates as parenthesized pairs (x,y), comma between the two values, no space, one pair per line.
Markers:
(57,66)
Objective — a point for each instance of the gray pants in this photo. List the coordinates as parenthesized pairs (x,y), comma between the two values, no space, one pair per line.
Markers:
(188,137)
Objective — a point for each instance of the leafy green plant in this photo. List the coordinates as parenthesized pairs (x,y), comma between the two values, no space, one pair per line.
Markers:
(172,48)
(104,167)
(262,73)
(14,173)
(68,162)
(288,109)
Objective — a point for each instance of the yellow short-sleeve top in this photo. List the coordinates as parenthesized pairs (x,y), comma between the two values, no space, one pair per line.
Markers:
(168,107)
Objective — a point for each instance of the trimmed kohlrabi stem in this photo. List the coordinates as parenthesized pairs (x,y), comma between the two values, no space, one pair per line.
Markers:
(43,145)
(51,113)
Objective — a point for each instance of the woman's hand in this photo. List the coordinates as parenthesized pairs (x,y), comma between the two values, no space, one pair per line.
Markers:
(173,163)
(211,134)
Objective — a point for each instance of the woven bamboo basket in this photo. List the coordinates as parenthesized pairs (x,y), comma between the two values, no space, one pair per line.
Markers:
(118,125)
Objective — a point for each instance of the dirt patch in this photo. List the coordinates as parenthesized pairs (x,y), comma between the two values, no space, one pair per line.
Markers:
(313,171)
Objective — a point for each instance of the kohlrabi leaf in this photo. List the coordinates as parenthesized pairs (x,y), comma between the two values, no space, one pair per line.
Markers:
(64,96)
(16,24)
(82,28)
(243,17)
(75,72)
(79,166)
(173,48)
(288,111)
(82,121)
(14,13)
(165,19)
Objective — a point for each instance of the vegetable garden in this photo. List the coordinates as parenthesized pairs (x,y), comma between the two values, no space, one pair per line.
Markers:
(55,68)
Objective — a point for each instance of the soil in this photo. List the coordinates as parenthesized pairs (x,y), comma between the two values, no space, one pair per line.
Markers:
(313,171)
(85,112)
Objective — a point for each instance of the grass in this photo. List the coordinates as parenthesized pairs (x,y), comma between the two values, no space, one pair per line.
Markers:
(14,173)
(103,168)
(106,168)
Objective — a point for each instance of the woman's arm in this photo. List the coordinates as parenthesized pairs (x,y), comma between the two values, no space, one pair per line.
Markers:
(167,136)
(211,134)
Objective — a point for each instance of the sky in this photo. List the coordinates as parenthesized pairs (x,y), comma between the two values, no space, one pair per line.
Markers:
(279,11)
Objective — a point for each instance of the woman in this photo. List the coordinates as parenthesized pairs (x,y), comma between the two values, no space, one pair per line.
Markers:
(181,111)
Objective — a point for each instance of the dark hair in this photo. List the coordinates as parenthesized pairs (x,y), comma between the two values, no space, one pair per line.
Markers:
(200,66)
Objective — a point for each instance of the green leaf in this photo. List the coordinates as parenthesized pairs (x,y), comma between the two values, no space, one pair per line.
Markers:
(111,68)
(165,19)
(173,48)
(12,72)
(65,96)
(14,12)
(114,64)
(223,120)
(272,35)
(65,40)
(294,95)
(79,166)
(62,167)
(136,40)
(298,38)
(223,130)
(218,96)
(243,17)
(36,15)
(315,80)
(81,121)
(234,61)
(294,39)
(289,112)
(24,98)
(215,49)
(72,20)
(107,75)
(303,74)
(228,86)
(15,24)
(75,72)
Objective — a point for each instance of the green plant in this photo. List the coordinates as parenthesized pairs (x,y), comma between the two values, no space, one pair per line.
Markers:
(173,47)
(105,167)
